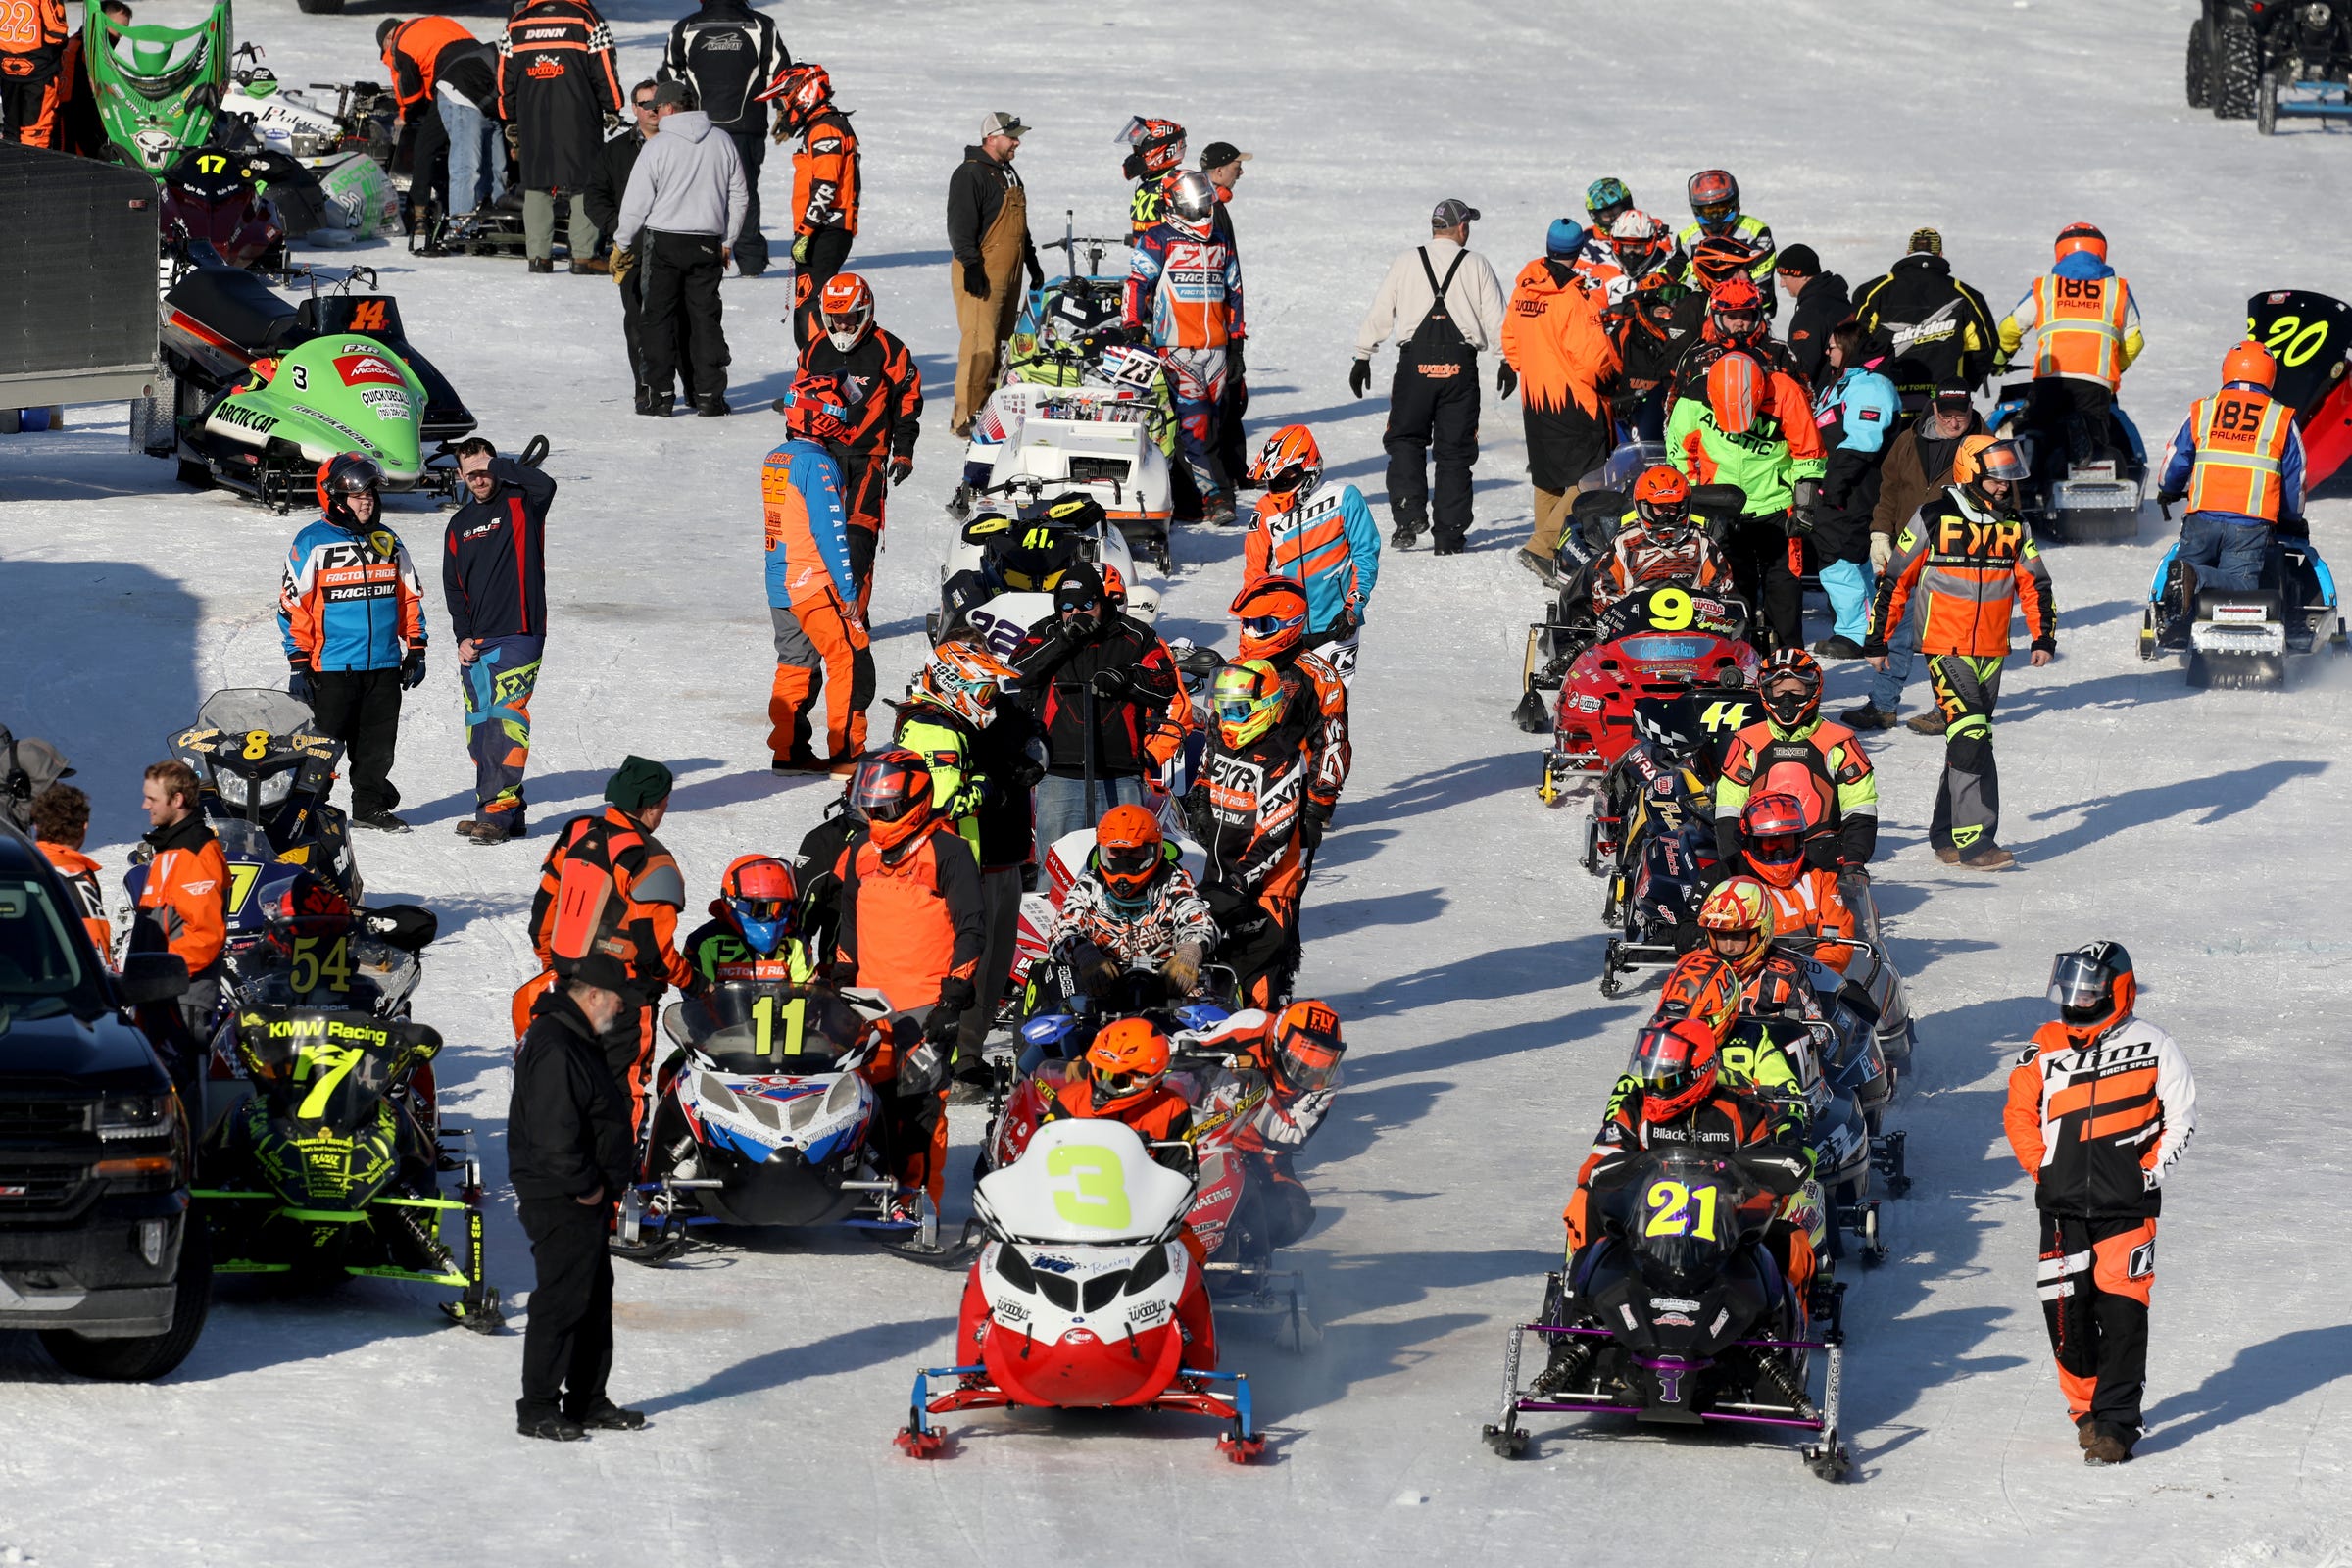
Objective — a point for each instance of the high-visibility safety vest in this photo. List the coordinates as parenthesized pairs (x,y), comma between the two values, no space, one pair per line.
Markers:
(2241,437)
(2081,328)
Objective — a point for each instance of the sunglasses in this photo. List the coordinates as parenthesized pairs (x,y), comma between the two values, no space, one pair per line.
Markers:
(644,106)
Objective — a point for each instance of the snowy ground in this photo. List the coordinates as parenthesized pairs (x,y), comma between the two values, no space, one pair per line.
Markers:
(1447,920)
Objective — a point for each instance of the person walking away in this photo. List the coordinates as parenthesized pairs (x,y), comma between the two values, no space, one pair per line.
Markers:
(686,198)
(1222,164)
(1918,465)
(1323,538)
(726,52)
(812,598)
(2100,1109)
(1433,400)
(1098,682)
(1555,347)
(351,616)
(411,54)
(608,180)
(1754,430)
(32,47)
(2237,461)
(1970,554)
(494,583)
(557,82)
(1855,413)
(885,417)
(571,1155)
(1184,290)
(2085,328)
(1820,304)
(60,820)
(1715,215)
(825,187)
(183,905)
(989,244)
(1941,329)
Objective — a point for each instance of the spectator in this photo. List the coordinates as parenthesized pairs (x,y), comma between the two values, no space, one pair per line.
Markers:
(33,43)
(1434,398)
(1098,682)
(686,197)
(1940,326)
(556,85)
(1222,164)
(569,1153)
(1918,463)
(1556,350)
(726,52)
(1856,413)
(79,131)
(605,184)
(354,645)
(493,581)
(183,905)
(1821,304)
(60,820)
(988,238)
(412,52)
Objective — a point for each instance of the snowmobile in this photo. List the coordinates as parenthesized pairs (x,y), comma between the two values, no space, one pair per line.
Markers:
(260,767)
(342,378)
(997,579)
(1677,1315)
(1075,1301)
(343,155)
(748,1129)
(1844,1085)
(157,88)
(2090,493)
(2310,337)
(1100,435)
(1670,870)
(2239,639)
(328,1170)
(1065,861)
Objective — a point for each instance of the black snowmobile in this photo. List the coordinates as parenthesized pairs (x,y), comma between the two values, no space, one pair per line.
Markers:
(258,761)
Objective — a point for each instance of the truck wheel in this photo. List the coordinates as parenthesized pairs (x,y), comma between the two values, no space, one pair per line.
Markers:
(2199,66)
(145,1359)
(2237,71)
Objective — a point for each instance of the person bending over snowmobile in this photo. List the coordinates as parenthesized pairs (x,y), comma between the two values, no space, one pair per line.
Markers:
(1794,751)
(1807,899)
(1134,908)
(1298,1052)
(1265,738)
(753,933)
(1659,542)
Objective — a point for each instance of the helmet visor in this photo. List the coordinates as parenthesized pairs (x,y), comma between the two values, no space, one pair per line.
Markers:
(1267,626)
(1128,860)
(355,476)
(1661,1057)
(1722,211)
(764,911)
(1119,1083)
(1777,849)
(1667,515)
(2003,462)
(2080,980)
(886,791)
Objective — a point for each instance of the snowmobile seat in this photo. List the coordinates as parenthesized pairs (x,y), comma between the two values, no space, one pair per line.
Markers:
(239,306)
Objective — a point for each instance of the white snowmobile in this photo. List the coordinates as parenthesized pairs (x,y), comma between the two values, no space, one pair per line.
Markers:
(347,148)
(1000,572)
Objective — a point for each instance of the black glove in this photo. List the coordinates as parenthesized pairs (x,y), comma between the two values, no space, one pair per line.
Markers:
(1197,813)
(975,280)
(297,683)
(1111,685)
(841,974)
(2291,528)
(1803,504)
(1312,821)
(1235,367)
(1824,851)
(902,464)
(957,995)
(1359,377)
(2166,498)
(411,670)
(1225,902)
(1506,379)
(1037,273)
(924,1068)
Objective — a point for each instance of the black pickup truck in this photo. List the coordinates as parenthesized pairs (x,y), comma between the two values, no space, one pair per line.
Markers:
(97,1251)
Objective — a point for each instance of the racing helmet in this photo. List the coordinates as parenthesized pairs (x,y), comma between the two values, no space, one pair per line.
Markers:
(891,793)
(1736,923)
(1607,199)
(2093,986)
(1735,389)
(2085,237)
(1272,611)
(342,476)
(1129,851)
(1127,1061)
(1674,1065)
(1158,146)
(1989,457)
(1641,243)
(961,677)
(2250,361)
(1771,832)
(1308,1047)
(309,910)
(798,92)
(1790,710)
(1736,297)
(816,408)
(1245,699)
(1662,500)
(1714,199)
(1290,464)
(759,899)
(846,308)
(1193,203)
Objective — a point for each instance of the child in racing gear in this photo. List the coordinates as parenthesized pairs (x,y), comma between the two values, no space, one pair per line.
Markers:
(1807,899)
(1794,751)
(1322,538)
(1658,541)
(1298,1052)
(754,932)
(1183,288)
(1753,428)
(826,181)
(876,448)
(1135,908)
(2100,1109)
(1262,753)
(949,703)
(1154,158)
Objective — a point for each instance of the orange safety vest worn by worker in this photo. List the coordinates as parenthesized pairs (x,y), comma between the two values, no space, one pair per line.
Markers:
(187,894)
(422,41)
(2241,437)
(79,873)
(911,920)
(2084,325)
(1977,568)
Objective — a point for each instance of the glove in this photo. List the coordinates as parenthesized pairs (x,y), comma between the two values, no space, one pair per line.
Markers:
(1359,377)
(901,465)
(1312,821)
(1182,972)
(1037,273)
(841,974)
(1802,505)
(411,670)
(800,249)
(1235,366)
(1506,379)
(975,280)
(1225,902)
(2291,528)
(2168,498)
(925,1067)
(1111,685)
(297,683)
(1882,551)
(514,135)
(611,122)
(1823,851)
(1096,972)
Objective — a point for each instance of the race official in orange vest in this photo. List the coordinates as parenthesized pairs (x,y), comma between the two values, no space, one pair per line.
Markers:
(2238,461)
(2086,335)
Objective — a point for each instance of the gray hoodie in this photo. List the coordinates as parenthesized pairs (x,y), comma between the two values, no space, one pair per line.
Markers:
(688,181)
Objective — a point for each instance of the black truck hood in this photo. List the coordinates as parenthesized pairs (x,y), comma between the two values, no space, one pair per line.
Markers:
(98,1054)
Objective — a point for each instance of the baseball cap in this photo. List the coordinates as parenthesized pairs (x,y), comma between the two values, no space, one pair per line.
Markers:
(668,94)
(1928,240)
(1952,389)
(1450,212)
(596,968)
(1002,124)
(1220,153)
(1797,259)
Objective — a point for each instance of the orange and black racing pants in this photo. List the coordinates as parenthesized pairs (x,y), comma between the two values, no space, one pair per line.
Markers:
(2094,1278)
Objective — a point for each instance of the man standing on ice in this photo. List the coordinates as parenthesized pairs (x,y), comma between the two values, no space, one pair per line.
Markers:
(2100,1109)
(493,581)
(987,236)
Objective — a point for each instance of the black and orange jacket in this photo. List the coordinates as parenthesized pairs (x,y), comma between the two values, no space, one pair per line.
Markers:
(885,390)
(2099,1124)
(79,873)
(918,907)
(1257,799)
(1335,753)
(1823,764)
(1977,567)
(33,39)
(1160,1115)
(825,175)
(1555,336)
(1726,1122)
(413,59)
(637,918)
(1052,668)
(556,81)
(186,894)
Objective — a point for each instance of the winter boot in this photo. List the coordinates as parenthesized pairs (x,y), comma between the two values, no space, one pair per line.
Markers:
(659,405)
(2107,1449)
(1989,857)
(712,406)
(1867,717)
(382,820)
(1931,722)
(606,1416)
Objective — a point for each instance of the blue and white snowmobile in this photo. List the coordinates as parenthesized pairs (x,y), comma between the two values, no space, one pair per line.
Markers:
(2242,638)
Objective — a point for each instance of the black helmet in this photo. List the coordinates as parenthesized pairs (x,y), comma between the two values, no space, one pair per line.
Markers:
(343,476)
(2093,983)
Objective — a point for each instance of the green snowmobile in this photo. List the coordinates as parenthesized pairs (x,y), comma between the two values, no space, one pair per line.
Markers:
(332,1168)
(158,89)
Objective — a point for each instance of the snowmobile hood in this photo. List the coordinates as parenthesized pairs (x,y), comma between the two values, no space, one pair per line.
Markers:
(343,392)
(2083,267)
(687,125)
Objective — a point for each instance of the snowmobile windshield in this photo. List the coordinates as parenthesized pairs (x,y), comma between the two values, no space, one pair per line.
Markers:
(1685,1220)
(754,1026)
(2081,981)
(315,1066)
(250,708)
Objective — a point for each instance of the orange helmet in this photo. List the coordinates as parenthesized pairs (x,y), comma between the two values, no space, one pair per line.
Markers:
(1674,1065)
(1159,146)
(1736,295)
(1246,700)
(1662,496)
(961,677)
(798,92)
(2080,237)
(1272,611)
(1114,585)
(1290,464)
(891,793)
(1989,457)
(1719,259)
(2250,361)
(1771,834)
(758,896)
(1129,851)
(1308,1047)
(1737,921)
(1735,387)
(816,408)
(847,308)
(1127,1060)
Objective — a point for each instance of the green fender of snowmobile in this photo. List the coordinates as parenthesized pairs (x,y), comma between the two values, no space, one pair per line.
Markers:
(344,392)
(157,88)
